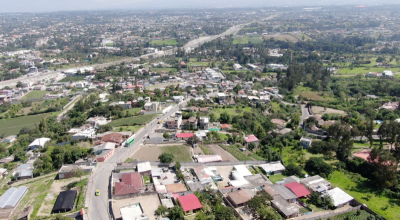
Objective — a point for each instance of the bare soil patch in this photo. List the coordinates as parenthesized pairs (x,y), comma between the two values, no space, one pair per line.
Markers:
(320,111)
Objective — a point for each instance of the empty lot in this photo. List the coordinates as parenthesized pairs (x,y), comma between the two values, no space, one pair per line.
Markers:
(149,205)
(226,156)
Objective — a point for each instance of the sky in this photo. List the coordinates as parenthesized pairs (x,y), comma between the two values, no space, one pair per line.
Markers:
(10,6)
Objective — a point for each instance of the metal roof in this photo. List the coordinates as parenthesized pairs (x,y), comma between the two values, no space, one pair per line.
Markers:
(12,196)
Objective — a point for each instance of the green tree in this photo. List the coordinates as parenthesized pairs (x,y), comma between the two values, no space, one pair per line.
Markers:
(43,125)
(166,135)
(161,210)
(316,165)
(293,169)
(267,213)
(176,213)
(166,157)
(225,118)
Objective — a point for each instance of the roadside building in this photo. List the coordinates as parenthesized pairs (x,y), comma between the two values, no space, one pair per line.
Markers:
(113,138)
(128,184)
(66,170)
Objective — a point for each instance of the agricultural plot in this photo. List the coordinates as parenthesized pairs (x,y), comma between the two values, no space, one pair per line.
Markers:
(168,42)
(135,120)
(283,37)
(13,126)
(150,153)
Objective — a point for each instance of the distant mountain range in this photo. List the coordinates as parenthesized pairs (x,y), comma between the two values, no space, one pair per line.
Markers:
(78,5)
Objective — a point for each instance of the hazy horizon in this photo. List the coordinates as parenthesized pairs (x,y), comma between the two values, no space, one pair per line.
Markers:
(79,5)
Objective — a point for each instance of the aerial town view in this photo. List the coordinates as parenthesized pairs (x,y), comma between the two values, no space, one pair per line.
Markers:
(199,110)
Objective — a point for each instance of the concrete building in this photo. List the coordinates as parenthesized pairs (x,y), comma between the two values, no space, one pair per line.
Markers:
(152,106)
(305,142)
(204,123)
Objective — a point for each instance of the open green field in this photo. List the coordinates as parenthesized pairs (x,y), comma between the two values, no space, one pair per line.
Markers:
(37,191)
(181,153)
(12,126)
(72,79)
(254,39)
(231,111)
(276,178)
(235,151)
(168,42)
(37,94)
(240,40)
(134,120)
(363,193)
(133,129)
(158,70)
(312,95)
(365,70)
(283,37)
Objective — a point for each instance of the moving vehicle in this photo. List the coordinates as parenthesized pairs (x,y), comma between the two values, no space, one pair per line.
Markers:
(129,142)
(97,192)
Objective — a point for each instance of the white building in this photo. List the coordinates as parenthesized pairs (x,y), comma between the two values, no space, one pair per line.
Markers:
(237,66)
(40,142)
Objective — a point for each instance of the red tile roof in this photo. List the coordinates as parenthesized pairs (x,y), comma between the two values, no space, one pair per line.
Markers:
(298,189)
(251,138)
(113,137)
(130,183)
(225,126)
(184,135)
(190,202)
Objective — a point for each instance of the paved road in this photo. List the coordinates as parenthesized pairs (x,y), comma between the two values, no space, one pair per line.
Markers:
(99,179)
(71,105)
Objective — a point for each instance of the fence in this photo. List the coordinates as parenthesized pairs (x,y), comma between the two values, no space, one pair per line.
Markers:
(320,215)
(227,163)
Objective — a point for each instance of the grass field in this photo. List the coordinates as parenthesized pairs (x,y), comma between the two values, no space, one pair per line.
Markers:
(35,94)
(135,120)
(283,37)
(158,70)
(133,129)
(276,178)
(365,70)
(254,39)
(169,42)
(362,192)
(312,95)
(13,126)
(37,191)
(181,153)
(235,151)
(230,111)
(240,40)
(72,79)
